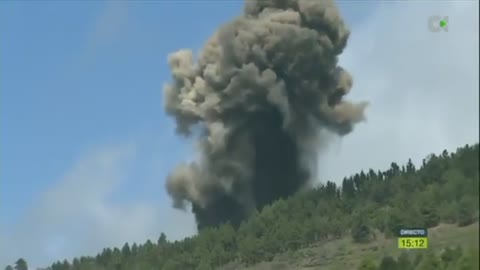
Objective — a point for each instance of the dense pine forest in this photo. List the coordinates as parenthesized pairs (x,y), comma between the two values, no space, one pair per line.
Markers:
(445,189)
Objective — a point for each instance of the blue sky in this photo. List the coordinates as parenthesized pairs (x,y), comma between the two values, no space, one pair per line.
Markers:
(77,74)
(81,101)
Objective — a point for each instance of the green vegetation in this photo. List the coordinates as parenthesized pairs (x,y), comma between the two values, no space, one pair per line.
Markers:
(449,259)
(345,254)
(367,209)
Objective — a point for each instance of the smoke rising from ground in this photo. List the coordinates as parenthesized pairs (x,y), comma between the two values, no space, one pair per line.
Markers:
(256,98)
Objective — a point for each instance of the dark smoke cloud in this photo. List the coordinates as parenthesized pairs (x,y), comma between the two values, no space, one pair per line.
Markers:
(256,98)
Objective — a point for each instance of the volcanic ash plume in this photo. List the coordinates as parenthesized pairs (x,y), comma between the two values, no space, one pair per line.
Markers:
(255,99)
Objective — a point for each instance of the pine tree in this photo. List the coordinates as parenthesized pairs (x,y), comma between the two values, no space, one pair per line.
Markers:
(21,264)
(361,232)
(162,240)
(126,250)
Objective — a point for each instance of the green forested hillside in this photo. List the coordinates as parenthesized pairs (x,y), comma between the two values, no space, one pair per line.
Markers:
(368,205)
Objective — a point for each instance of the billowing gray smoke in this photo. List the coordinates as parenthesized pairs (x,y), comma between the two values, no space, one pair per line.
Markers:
(256,98)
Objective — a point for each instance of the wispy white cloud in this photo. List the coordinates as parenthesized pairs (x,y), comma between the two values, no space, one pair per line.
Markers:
(106,28)
(110,22)
(76,217)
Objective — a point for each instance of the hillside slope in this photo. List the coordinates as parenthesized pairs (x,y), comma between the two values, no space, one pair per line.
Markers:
(344,254)
(331,227)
